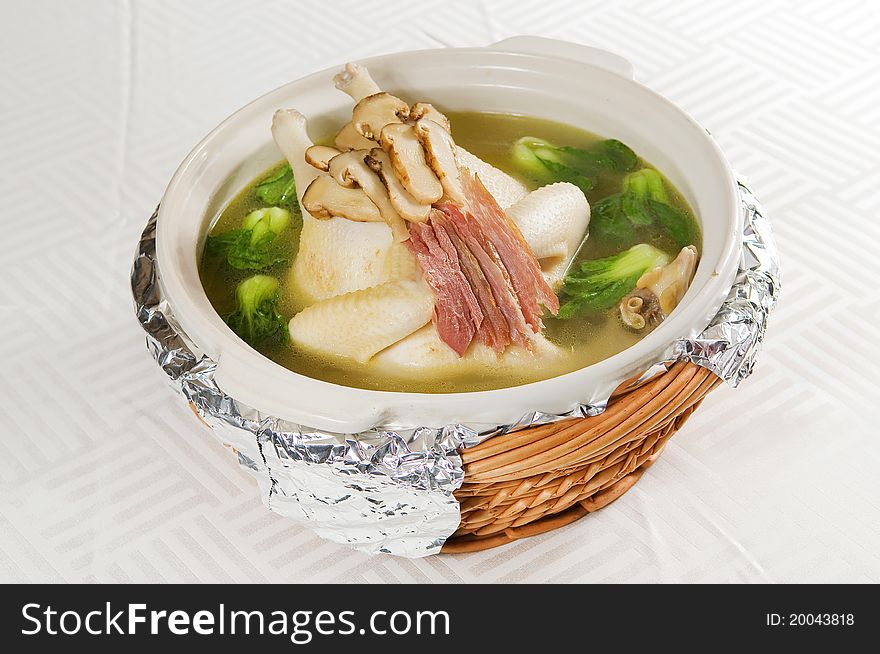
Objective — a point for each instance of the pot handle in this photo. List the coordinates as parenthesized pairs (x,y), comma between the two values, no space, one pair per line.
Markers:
(566,50)
(238,378)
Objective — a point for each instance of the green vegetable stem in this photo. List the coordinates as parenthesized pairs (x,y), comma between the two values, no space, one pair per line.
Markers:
(646,183)
(264,222)
(256,318)
(599,284)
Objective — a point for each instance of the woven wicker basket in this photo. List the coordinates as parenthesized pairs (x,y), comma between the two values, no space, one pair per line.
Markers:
(537,479)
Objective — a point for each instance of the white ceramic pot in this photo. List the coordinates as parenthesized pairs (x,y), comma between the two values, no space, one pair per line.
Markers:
(585,87)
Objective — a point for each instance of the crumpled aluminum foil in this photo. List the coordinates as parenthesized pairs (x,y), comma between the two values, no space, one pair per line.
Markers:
(730,344)
(391,491)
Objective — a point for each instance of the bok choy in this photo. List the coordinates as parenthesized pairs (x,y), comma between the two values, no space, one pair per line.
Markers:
(279,188)
(600,284)
(547,162)
(643,201)
(253,246)
(256,318)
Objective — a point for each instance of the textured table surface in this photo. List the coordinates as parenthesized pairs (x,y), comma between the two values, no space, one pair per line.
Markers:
(104,476)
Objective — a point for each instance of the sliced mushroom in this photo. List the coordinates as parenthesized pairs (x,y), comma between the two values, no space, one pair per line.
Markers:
(405,204)
(350,170)
(319,156)
(640,309)
(439,151)
(345,166)
(375,111)
(325,198)
(671,282)
(356,81)
(659,291)
(402,144)
(427,110)
(350,139)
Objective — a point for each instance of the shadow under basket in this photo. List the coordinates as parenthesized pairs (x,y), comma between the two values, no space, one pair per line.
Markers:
(536,479)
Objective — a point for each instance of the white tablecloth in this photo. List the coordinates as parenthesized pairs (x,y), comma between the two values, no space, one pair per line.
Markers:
(104,476)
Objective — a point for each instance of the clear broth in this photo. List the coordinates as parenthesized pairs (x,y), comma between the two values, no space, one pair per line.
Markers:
(588,339)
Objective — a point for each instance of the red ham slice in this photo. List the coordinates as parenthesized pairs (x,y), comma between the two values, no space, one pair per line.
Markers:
(494,332)
(457,313)
(514,253)
(469,232)
(487,281)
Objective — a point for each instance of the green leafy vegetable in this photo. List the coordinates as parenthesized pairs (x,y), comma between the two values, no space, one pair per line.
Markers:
(646,183)
(563,173)
(599,284)
(610,222)
(536,157)
(246,254)
(642,201)
(253,246)
(256,318)
(265,223)
(277,189)
(609,154)
(674,222)
(220,244)
(548,163)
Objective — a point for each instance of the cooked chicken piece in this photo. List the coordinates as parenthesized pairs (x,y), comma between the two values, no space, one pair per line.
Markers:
(553,219)
(358,325)
(356,81)
(291,137)
(336,255)
(423,351)
(505,189)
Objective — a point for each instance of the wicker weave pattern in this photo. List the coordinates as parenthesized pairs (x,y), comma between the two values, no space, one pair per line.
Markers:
(540,478)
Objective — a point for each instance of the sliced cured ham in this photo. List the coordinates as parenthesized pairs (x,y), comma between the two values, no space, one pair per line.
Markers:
(474,241)
(494,330)
(457,314)
(522,267)
(487,281)
(506,189)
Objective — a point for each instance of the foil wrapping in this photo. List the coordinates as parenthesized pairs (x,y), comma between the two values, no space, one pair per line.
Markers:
(391,490)
(730,344)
